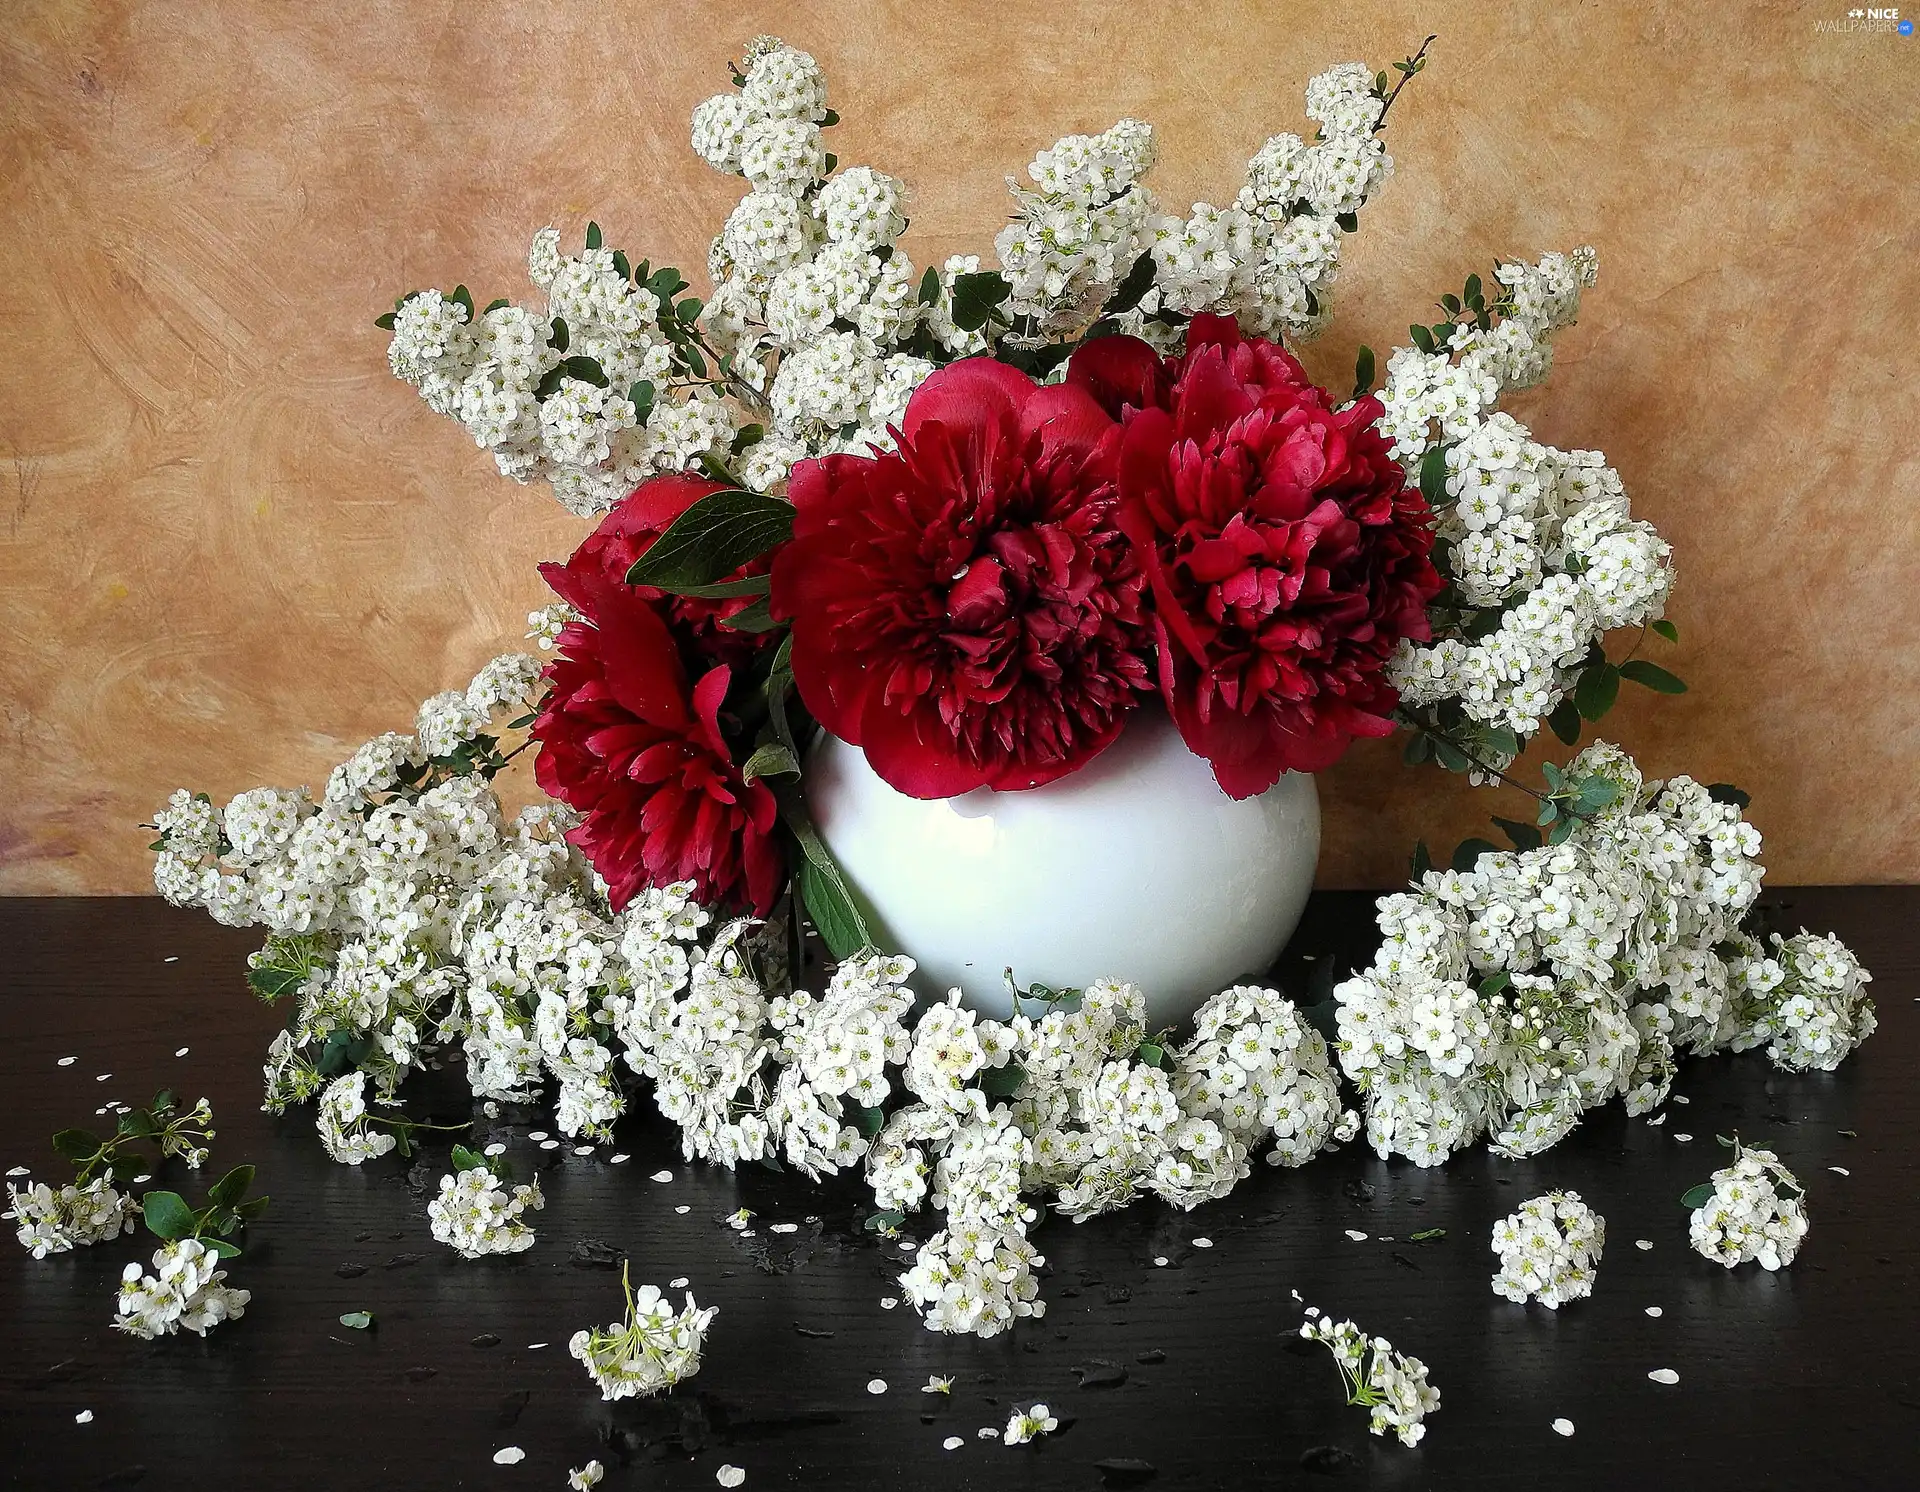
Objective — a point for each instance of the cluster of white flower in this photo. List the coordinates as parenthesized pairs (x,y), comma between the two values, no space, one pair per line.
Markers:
(1806,1001)
(184,1293)
(1549,1250)
(56,1221)
(345,1124)
(1757,1211)
(476,1215)
(1391,1384)
(1507,999)
(1268,259)
(1539,545)
(652,1349)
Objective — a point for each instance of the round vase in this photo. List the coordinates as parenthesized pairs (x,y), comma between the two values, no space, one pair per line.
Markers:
(1136,867)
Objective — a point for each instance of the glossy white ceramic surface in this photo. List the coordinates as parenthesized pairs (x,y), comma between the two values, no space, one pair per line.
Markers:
(1136,867)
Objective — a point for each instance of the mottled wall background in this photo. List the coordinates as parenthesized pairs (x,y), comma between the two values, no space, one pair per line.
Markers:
(232,546)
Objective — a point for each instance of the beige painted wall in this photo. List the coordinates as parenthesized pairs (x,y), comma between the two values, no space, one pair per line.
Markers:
(232,545)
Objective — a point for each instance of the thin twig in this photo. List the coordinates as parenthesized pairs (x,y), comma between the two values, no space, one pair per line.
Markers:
(1406,76)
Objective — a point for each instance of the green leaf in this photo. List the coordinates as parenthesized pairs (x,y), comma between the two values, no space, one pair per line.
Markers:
(221,1247)
(713,538)
(823,890)
(594,240)
(1427,1235)
(1363,372)
(868,1121)
(695,361)
(1422,859)
(76,1144)
(1433,476)
(467,1160)
(830,909)
(137,1124)
(1562,831)
(1494,983)
(1151,1053)
(1697,1196)
(930,286)
(1422,338)
(1501,739)
(884,1222)
(464,298)
(1003,1081)
(722,590)
(1471,850)
(1524,836)
(641,394)
(1652,676)
(385,322)
(1594,793)
(771,760)
(1347,222)
(1726,792)
(829,119)
(1549,812)
(167,1215)
(746,437)
(1419,748)
(230,1188)
(1667,630)
(831,161)
(1450,756)
(1473,290)
(779,685)
(1565,721)
(1598,688)
(271,984)
(688,309)
(755,618)
(585,369)
(251,1208)
(1450,304)
(357,1320)
(621,264)
(497,304)
(975,296)
(1133,288)
(561,339)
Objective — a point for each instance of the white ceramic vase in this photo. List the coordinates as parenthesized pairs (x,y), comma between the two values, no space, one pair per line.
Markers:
(1136,867)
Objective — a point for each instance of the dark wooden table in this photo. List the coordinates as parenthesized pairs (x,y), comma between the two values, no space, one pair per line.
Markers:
(1807,1379)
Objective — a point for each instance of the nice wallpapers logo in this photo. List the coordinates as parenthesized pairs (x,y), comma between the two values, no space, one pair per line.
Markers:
(1867,21)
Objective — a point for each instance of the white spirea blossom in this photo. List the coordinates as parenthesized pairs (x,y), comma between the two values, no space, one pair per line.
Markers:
(652,1349)
(1549,1250)
(476,1215)
(1757,1212)
(185,1292)
(55,1221)
(1806,1001)
(1028,1424)
(1391,1384)
(1506,1000)
(345,1125)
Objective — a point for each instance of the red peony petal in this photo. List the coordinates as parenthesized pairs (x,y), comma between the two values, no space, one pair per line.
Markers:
(972,394)
(1120,373)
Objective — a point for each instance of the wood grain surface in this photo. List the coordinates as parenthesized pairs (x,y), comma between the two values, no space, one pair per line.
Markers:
(1155,1347)
(232,546)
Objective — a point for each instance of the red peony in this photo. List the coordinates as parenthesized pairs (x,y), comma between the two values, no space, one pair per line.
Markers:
(623,740)
(967,609)
(1286,551)
(629,531)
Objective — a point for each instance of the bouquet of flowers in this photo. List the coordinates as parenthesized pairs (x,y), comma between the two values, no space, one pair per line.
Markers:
(970,519)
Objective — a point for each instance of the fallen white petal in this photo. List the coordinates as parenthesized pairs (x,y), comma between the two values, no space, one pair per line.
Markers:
(103,1077)
(1655,1311)
(171,958)
(952,1443)
(183,1051)
(1664,1375)
(876,1385)
(66,1062)
(549,1144)
(1159,1261)
(988,1432)
(536,1134)
(1356,1235)
(1203,1243)
(1563,1427)
(19,1171)
(1683,1138)
(1679,1098)
(683,1210)
(784,1228)
(1840,1170)
(1645,1245)
(84,1417)
(679,1284)
(536,1346)
(583,1150)
(887,1302)
(1656,1121)
(509,1455)
(730,1476)
(618,1160)
(661,1176)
